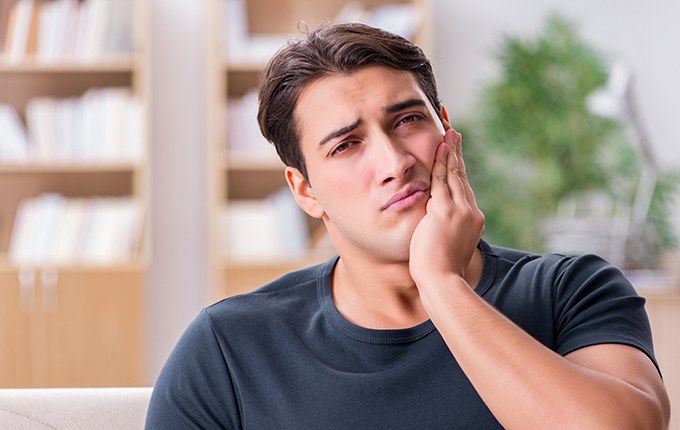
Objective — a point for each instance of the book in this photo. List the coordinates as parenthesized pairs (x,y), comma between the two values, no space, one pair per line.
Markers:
(104,29)
(69,235)
(43,225)
(32,43)
(19,250)
(13,139)
(46,29)
(5,10)
(18,31)
(41,128)
(118,40)
(99,245)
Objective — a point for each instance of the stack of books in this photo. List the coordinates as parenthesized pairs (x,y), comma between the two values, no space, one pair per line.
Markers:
(272,229)
(51,230)
(244,138)
(243,46)
(67,30)
(104,126)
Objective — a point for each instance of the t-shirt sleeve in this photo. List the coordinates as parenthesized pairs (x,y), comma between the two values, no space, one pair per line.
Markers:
(194,389)
(596,304)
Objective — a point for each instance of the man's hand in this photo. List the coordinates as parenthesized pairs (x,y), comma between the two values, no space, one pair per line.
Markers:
(446,237)
(600,386)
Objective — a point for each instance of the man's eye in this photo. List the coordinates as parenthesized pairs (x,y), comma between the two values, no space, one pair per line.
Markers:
(410,118)
(342,147)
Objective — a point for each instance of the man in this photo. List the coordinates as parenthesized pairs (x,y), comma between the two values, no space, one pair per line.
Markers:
(418,323)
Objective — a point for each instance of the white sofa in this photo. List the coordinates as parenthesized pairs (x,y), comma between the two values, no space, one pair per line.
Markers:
(73,408)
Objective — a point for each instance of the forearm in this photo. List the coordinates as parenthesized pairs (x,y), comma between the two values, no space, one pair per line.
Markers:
(523,383)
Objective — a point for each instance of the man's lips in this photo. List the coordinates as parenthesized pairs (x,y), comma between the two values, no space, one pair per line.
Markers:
(413,194)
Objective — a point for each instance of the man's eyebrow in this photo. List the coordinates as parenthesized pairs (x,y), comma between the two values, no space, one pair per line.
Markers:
(389,109)
(399,106)
(341,131)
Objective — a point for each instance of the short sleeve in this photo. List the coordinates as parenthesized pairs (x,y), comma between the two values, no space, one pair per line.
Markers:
(194,389)
(594,303)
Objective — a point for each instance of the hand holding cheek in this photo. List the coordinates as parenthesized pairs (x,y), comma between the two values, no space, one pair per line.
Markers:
(446,237)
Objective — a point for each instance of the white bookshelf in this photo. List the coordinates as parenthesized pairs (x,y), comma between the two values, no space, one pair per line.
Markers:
(74,312)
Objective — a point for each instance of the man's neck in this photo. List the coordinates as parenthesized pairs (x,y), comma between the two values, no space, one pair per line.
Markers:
(383,295)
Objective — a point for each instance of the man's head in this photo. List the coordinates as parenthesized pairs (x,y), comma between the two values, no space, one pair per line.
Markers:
(333,49)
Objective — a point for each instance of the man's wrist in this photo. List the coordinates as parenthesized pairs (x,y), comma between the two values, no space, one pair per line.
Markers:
(440,287)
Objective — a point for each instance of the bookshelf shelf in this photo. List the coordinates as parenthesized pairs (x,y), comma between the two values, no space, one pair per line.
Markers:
(236,58)
(66,168)
(120,65)
(137,265)
(243,66)
(247,162)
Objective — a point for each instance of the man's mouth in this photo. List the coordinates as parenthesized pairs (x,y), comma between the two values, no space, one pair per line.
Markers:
(412,195)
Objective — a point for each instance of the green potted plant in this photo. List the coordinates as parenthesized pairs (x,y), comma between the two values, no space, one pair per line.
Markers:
(535,145)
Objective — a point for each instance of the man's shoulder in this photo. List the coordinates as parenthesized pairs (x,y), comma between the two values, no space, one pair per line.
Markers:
(291,291)
(522,258)
(517,256)
(546,266)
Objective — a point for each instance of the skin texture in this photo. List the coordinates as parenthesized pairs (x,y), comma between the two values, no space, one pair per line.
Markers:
(394,196)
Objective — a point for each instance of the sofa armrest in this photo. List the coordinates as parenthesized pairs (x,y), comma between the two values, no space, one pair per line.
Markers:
(73,408)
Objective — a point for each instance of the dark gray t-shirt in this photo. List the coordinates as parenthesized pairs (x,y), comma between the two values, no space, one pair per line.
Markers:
(282,357)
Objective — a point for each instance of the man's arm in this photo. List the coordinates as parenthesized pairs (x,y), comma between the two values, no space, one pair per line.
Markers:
(524,384)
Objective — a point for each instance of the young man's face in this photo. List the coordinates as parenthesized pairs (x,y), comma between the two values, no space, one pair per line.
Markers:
(368,140)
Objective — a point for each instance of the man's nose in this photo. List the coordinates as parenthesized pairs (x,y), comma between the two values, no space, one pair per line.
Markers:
(393,160)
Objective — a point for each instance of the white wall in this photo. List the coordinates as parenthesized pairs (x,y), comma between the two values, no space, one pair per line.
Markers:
(178,273)
(644,34)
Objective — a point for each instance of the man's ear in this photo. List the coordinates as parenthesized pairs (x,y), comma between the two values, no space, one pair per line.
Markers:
(303,193)
(445,115)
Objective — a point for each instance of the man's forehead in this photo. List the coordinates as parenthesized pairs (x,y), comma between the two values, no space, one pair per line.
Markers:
(384,90)
(337,100)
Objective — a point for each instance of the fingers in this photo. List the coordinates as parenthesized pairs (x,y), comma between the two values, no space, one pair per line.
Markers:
(462,172)
(450,191)
(457,147)
(455,176)
(439,187)
(449,177)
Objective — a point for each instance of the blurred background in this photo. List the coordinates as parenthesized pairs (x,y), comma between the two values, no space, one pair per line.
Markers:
(135,188)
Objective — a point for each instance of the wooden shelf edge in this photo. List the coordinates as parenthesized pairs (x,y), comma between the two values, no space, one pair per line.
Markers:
(126,64)
(32,168)
(251,161)
(7,266)
(242,265)
(252,66)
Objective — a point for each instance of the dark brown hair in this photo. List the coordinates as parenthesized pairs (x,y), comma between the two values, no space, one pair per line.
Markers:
(331,49)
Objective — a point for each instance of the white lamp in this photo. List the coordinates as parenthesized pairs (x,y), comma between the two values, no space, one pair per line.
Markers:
(616,101)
